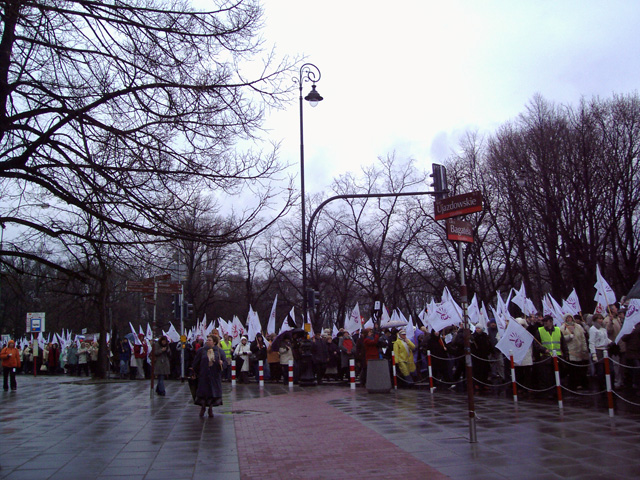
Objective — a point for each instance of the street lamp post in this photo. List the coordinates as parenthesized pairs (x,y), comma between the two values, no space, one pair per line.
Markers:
(308,73)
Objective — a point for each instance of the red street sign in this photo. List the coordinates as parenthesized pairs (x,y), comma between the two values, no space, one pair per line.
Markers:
(458,205)
(173,287)
(149,299)
(165,277)
(459,230)
(135,286)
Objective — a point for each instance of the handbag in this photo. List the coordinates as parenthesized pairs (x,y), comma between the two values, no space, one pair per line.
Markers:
(43,368)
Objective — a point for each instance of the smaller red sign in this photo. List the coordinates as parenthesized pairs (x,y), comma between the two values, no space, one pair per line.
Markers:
(172,287)
(135,286)
(459,230)
(149,299)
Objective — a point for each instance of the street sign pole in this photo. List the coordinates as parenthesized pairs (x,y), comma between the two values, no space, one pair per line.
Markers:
(460,231)
(473,438)
(153,332)
(182,334)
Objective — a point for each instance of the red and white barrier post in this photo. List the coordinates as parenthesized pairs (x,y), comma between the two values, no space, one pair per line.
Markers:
(607,377)
(513,378)
(290,373)
(352,373)
(233,373)
(557,372)
(261,373)
(431,389)
(395,375)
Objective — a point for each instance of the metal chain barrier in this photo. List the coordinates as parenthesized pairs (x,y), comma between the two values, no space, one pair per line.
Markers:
(625,400)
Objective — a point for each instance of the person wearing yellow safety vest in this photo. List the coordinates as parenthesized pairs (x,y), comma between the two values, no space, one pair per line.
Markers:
(548,339)
(227,347)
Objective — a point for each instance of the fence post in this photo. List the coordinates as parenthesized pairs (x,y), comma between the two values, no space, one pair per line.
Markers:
(261,373)
(607,376)
(513,378)
(431,389)
(290,374)
(395,375)
(352,373)
(233,373)
(557,372)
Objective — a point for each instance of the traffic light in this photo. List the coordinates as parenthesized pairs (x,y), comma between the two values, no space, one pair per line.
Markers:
(175,306)
(188,310)
(439,174)
(311,297)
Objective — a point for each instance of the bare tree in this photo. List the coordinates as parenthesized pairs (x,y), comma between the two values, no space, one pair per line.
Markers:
(127,112)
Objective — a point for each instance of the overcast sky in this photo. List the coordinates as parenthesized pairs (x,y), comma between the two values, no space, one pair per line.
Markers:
(413,76)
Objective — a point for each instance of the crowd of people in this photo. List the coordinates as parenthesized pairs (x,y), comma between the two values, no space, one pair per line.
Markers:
(579,344)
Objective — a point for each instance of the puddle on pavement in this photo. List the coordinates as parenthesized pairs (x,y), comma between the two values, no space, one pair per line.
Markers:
(242,412)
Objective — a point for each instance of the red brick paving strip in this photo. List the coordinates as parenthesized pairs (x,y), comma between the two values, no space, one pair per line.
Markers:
(300,436)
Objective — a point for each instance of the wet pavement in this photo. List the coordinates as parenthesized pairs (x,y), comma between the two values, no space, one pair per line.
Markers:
(55,428)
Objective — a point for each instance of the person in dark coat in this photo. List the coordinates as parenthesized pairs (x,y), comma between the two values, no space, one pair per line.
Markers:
(54,359)
(259,350)
(439,357)
(333,365)
(162,365)
(320,356)
(209,363)
(125,358)
(481,347)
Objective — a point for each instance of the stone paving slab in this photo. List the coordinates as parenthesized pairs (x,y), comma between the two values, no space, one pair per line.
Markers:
(55,428)
(300,435)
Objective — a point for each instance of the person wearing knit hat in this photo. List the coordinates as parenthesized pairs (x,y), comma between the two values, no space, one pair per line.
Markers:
(10,357)
(242,354)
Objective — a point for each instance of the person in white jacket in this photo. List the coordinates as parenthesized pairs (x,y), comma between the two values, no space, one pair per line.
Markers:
(242,353)
(598,343)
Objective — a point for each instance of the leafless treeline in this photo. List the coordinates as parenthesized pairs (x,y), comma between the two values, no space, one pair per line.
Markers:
(124,121)
(560,189)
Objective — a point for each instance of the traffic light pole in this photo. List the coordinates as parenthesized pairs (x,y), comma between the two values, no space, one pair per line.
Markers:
(473,438)
(361,195)
(181,336)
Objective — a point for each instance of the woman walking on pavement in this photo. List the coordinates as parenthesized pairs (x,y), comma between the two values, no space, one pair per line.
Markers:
(10,356)
(162,366)
(209,363)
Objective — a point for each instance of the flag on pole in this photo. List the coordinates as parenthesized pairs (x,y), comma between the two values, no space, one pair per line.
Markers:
(519,298)
(410,329)
(237,330)
(448,298)
(135,340)
(384,318)
(289,323)
(253,325)
(444,315)
(604,293)
(352,322)
(631,319)
(422,316)
(173,334)
(572,303)
(271,324)
(224,326)
(473,312)
(515,339)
